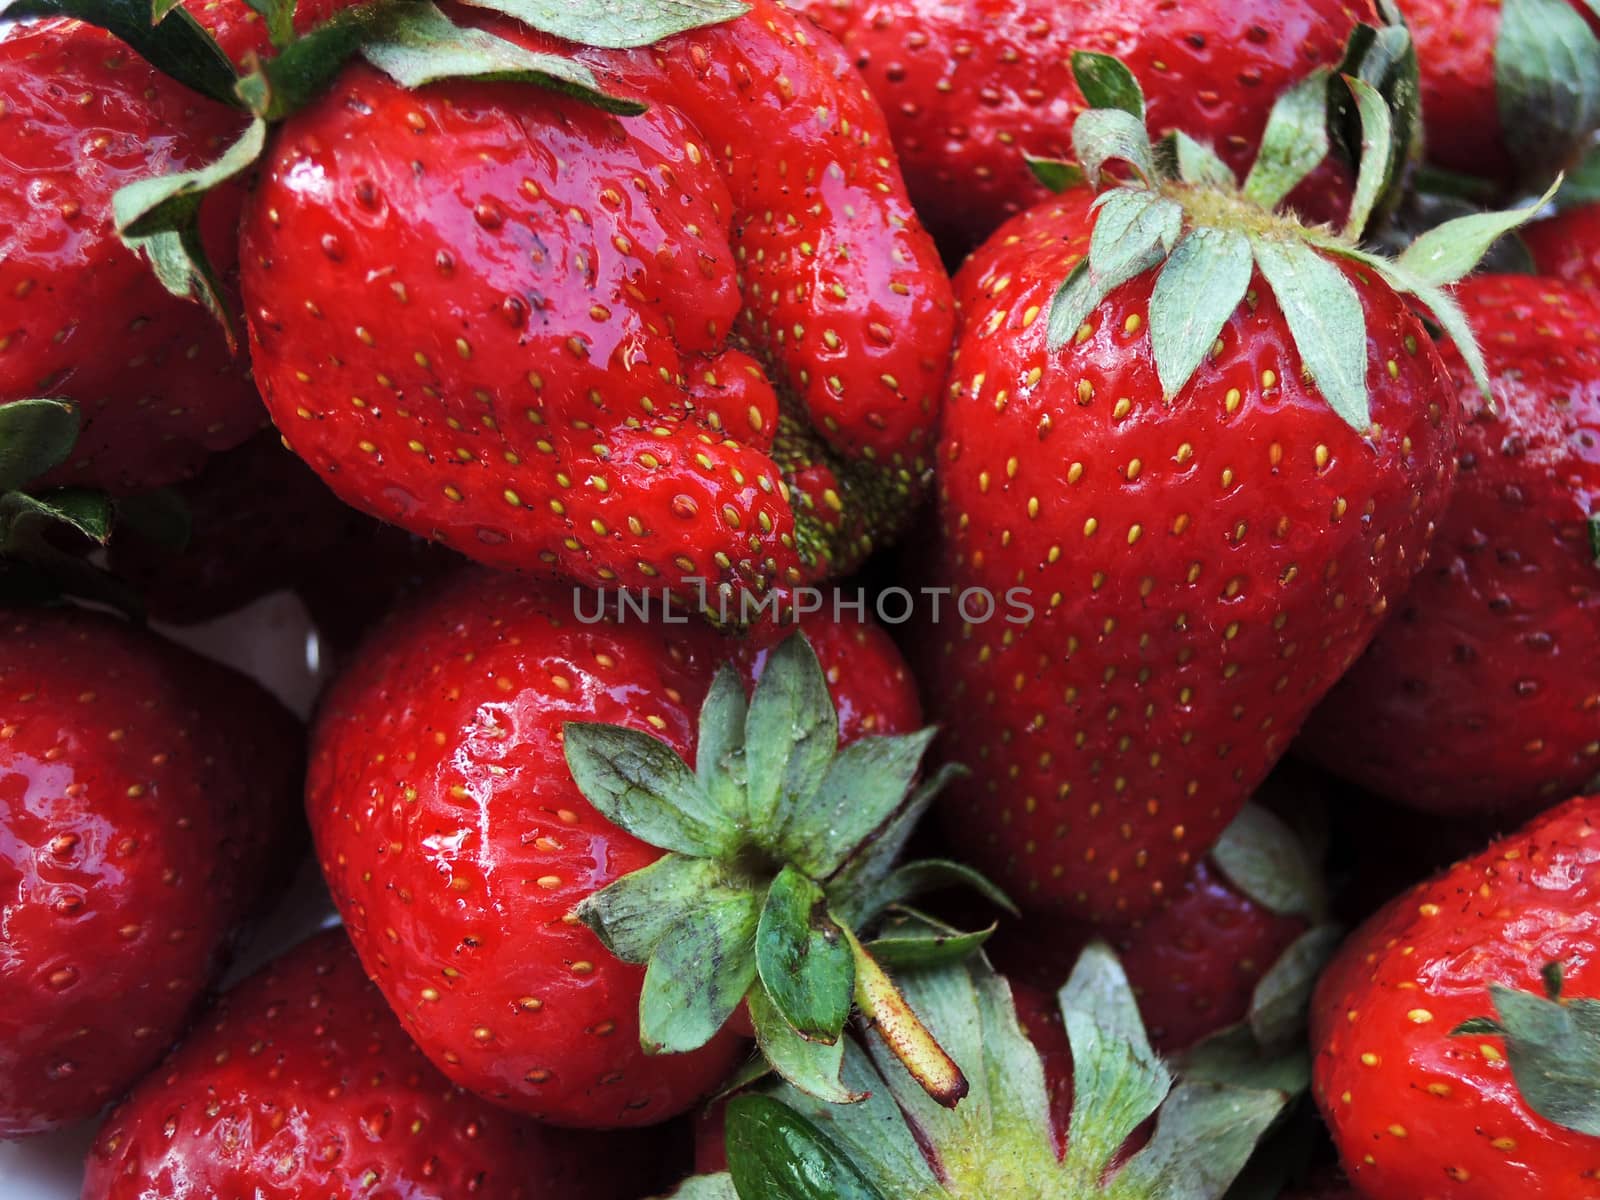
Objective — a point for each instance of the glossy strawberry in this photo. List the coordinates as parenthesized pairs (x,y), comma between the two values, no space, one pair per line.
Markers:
(1424,1095)
(1509,87)
(704,343)
(971,86)
(301,1085)
(147,803)
(458,845)
(81,316)
(1204,564)
(1480,693)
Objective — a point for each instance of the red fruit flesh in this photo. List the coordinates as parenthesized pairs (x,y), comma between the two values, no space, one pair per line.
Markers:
(1203,570)
(147,802)
(300,1085)
(969,86)
(1481,693)
(1416,1112)
(81,316)
(457,845)
(501,318)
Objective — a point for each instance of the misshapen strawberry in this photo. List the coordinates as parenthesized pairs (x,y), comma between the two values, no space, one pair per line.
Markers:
(705,342)
(1424,1094)
(1480,692)
(301,1085)
(971,86)
(460,849)
(147,803)
(1211,482)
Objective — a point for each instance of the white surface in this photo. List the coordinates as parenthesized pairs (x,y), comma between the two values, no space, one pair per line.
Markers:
(272,641)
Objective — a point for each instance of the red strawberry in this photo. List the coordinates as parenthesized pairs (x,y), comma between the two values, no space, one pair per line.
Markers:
(1426,1099)
(260,521)
(971,86)
(457,844)
(1196,964)
(1508,86)
(81,316)
(301,1085)
(1207,537)
(1480,693)
(544,358)
(1567,245)
(146,803)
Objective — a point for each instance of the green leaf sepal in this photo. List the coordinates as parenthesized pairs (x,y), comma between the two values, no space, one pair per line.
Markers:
(1553,1046)
(1206,236)
(1000,1142)
(781,844)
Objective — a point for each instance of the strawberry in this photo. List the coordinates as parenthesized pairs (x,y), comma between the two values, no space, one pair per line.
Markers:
(1209,499)
(699,346)
(1567,245)
(147,806)
(301,1085)
(1509,87)
(1198,964)
(446,805)
(1428,1097)
(81,318)
(1479,694)
(260,521)
(1072,1084)
(972,86)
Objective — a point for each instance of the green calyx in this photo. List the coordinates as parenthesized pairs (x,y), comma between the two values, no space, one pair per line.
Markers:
(39,526)
(898,1145)
(781,845)
(411,41)
(1185,215)
(1553,1045)
(1547,82)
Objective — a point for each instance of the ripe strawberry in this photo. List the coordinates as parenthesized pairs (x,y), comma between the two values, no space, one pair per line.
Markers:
(1196,964)
(1567,245)
(1010,1139)
(147,803)
(300,1085)
(971,86)
(260,521)
(1424,1098)
(1508,86)
(1208,538)
(545,360)
(82,318)
(458,845)
(1480,693)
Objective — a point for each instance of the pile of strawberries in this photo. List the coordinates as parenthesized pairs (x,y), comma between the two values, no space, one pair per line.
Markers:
(919,595)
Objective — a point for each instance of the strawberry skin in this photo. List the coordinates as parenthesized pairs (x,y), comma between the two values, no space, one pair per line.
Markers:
(147,804)
(301,1085)
(542,357)
(1416,1113)
(969,86)
(1480,693)
(457,845)
(81,316)
(1567,245)
(1202,572)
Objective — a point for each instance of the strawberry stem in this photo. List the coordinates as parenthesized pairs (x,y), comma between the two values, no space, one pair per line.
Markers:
(884,1005)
